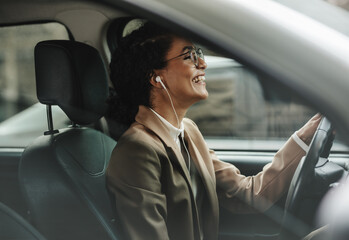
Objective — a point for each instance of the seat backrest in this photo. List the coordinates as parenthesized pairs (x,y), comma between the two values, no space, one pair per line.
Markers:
(62,173)
(14,226)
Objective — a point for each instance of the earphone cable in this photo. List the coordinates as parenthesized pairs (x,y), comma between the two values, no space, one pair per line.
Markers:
(174,110)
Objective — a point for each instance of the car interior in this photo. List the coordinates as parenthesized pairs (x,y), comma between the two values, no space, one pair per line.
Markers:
(55,187)
(74,159)
(14,226)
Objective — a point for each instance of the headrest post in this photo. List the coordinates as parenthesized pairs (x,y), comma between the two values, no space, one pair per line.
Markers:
(74,125)
(49,121)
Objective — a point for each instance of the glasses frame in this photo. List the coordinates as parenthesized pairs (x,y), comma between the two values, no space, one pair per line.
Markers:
(195,54)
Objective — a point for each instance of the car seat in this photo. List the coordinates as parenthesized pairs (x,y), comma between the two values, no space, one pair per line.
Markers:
(14,226)
(62,173)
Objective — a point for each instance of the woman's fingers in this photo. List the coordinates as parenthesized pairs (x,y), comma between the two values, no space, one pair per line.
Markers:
(306,133)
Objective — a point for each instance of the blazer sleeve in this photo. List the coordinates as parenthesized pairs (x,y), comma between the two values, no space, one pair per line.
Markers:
(242,194)
(133,177)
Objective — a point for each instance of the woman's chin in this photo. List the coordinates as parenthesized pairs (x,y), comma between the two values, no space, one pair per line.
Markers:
(201,91)
(202,95)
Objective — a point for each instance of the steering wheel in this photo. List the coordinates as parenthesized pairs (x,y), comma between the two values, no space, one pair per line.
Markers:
(293,228)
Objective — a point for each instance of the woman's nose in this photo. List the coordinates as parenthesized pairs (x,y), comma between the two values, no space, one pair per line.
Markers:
(202,63)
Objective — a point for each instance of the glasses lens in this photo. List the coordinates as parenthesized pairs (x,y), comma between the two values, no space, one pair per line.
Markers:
(194,57)
(200,54)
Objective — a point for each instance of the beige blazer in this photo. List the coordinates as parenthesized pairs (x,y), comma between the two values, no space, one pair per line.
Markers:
(152,187)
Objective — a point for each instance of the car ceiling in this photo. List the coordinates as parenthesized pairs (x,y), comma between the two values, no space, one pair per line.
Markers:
(13,12)
(88,27)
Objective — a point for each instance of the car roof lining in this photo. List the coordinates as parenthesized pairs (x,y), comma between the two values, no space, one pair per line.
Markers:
(19,12)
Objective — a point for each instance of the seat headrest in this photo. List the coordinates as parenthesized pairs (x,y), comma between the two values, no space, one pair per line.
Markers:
(73,76)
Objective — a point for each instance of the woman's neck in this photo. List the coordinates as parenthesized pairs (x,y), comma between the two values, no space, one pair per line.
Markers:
(170,115)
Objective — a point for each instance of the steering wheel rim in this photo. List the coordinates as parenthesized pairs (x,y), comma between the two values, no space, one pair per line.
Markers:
(293,228)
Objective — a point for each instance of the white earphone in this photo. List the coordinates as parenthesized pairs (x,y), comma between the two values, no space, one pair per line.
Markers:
(158,79)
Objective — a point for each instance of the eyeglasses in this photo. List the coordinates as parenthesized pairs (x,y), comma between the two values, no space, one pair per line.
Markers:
(195,54)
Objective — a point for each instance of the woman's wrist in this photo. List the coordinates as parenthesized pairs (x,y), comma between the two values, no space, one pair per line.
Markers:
(304,137)
(300,142)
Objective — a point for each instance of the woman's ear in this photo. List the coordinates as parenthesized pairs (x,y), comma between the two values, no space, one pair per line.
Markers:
(153,81)
(156,80)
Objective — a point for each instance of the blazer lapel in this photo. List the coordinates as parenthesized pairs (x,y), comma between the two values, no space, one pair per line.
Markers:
(207,180)
(212,210)
(148,119)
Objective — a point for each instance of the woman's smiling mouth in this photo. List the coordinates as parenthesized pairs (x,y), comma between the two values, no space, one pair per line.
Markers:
(199,79)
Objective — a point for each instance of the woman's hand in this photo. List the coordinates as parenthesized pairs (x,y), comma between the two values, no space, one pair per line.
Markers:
(306,133)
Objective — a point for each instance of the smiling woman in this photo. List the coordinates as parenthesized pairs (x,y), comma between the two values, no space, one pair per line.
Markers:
(184,75)
(169,183)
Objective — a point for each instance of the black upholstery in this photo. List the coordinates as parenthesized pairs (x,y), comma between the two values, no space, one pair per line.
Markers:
(71,75)
(63,174)
(13,226)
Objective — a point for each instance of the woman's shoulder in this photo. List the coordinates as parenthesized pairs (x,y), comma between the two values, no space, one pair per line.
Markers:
(190,125)
(192,130)
(139,137)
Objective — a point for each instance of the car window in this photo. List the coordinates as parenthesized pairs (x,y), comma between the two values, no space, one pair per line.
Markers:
(245,110)
(21,117)
(245,105)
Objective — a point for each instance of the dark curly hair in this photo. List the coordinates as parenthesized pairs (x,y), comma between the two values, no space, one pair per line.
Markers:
(132,66)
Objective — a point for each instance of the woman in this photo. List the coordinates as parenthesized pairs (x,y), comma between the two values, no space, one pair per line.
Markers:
(166,182)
